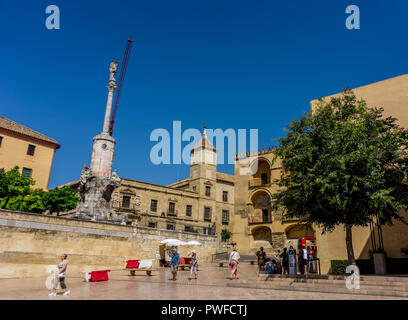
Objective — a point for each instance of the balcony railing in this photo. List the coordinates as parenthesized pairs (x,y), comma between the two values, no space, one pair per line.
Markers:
(207,218)
(264,220)
(257,182)
(291,219)
(172,213)
(126,208)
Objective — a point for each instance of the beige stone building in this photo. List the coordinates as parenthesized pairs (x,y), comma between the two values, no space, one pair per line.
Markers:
(32,151)
(203,203)
(255,223)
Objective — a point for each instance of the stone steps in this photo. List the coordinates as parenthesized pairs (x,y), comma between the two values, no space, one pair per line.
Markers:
(366,278)
(325,289)
(402,284)
(369,285)
(363,286)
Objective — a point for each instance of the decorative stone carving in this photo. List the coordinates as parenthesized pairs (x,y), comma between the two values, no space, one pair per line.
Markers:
(95,197)
(115,177)
(115,200)
(138,201)
(85,174)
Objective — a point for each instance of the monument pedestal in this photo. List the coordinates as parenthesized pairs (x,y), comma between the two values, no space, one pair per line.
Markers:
(102,155)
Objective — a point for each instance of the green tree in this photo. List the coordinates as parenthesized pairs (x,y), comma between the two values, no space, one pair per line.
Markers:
(13,187)
(16,194)
(225,234)
(34,202)
(60,199)
(345,164)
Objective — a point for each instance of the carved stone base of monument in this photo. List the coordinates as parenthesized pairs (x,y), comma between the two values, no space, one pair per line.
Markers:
(95,198)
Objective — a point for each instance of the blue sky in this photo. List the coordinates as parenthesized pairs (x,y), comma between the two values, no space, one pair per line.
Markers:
(233,64)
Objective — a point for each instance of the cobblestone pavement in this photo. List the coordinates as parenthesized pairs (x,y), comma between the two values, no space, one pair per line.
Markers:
(211,284)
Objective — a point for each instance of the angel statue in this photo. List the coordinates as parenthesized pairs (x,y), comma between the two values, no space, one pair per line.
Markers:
(113,68)
(85,174)
(115,176)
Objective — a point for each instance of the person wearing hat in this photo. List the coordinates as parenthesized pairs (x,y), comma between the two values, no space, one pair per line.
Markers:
(194,265)
(60,277)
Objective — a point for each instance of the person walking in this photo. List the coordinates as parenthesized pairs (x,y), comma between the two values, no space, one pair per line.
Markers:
(233,262)
(304,260)
(285,261)
(194,266)
(60,277)
(261,254)
(174,263)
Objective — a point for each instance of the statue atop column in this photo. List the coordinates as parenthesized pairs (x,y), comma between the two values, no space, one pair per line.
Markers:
(113,68)
(97,183)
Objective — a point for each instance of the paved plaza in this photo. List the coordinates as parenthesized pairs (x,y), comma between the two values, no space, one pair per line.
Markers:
(212,283)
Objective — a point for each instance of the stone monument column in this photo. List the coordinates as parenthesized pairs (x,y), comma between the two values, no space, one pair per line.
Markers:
(104,144)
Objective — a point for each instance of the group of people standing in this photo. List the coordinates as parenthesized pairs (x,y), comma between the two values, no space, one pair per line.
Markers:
(279,263)
(276,264)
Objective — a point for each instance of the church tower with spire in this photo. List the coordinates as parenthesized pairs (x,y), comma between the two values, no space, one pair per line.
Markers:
(203,166)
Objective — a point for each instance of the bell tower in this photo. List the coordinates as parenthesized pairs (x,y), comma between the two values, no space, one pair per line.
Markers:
(203,166)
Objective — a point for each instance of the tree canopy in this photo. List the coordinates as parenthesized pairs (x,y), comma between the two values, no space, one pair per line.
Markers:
(344,164)
(16,194)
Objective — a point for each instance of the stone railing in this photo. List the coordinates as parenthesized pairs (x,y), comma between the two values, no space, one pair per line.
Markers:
(29,242)
(36,221)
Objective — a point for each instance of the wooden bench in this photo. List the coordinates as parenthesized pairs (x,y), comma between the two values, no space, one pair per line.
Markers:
(134,270)
(133,267)
(183,266)
(184,263)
